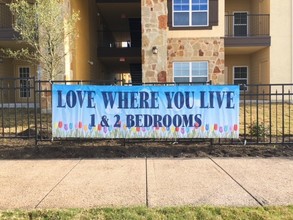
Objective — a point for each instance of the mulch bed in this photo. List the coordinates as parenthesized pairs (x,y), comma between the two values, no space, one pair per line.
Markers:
(26,149)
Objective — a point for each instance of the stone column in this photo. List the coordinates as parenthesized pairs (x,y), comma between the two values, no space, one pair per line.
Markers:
(154,34)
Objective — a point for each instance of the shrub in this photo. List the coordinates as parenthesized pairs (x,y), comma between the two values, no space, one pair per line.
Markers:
(260,130)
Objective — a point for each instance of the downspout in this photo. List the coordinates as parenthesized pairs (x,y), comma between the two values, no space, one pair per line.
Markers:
(292,48)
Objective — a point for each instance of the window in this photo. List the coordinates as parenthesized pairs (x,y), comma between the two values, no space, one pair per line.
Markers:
(24,74)
(191,72)
(240,76)
(190,12)
(240,24)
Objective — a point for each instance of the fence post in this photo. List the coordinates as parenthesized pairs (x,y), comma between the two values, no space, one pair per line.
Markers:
(35,111)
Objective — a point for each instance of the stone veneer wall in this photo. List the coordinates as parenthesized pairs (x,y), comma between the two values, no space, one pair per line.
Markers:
(198,49)
(159,67)
(154,33)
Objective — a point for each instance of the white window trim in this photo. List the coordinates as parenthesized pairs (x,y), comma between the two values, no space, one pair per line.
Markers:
(247,26)
(190,69)
(233,77)
(18,76)
(190,15)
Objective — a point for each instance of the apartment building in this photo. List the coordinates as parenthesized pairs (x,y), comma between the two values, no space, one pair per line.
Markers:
(222,41)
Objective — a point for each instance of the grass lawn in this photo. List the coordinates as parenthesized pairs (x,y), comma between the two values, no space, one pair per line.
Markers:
(227,213)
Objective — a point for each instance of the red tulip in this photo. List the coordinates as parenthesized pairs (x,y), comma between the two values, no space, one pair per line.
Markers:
(60,124)
(215,127)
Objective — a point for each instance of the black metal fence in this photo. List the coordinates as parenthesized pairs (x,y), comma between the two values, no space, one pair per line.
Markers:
(266,111)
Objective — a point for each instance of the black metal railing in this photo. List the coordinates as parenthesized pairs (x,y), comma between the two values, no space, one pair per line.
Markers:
(266,111)
(247,25)
(119,39)
(17,114)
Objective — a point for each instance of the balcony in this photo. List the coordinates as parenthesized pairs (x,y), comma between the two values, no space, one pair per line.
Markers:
(6,21)
(119,43)
(250,30)
(118,49)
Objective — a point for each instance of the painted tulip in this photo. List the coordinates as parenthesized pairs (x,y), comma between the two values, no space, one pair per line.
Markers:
(182,130)
(207,127)
(235,127)
(177,129)
(65,127)
(196,125)
(76,126)
(226,128)
(143,129)
(85,128)
(99,127)
(56,125)
(70,126)
(80,125)
(105,129)
(60,124)
(215,127)
(138,129)
(221,129)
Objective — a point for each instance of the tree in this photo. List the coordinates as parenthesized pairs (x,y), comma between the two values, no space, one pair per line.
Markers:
(47,30)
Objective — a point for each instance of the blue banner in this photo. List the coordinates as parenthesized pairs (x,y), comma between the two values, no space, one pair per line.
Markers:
(145,111)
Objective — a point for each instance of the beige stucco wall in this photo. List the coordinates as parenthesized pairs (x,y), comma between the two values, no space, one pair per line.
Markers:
(260,67)
(6,68)
(250,6)
(237,5)
(86,43)
(236,60)
(9,68)
(257,63)
(281,47)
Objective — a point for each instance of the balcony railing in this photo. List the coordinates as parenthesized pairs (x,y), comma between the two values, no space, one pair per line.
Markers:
(6,18)
(247,25)
(119,39)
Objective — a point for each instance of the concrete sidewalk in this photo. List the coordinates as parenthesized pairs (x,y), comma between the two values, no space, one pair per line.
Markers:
(82,183)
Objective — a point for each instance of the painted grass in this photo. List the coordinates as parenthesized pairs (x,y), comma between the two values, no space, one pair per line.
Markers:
(227,213)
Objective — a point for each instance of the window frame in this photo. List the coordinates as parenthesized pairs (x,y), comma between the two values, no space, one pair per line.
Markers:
(213,17)
(190,12)
(247,73)
(190,76)
(24,91)
(247,28)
